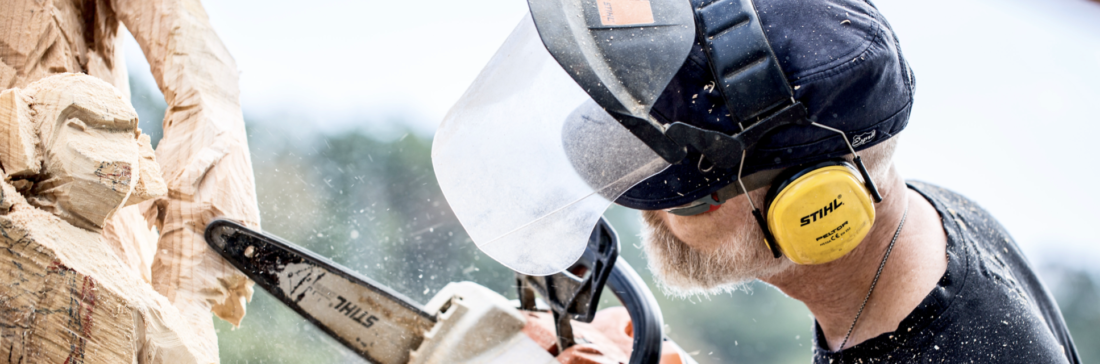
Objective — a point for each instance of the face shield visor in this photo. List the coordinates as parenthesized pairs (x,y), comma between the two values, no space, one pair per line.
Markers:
(558,124)
(528,162)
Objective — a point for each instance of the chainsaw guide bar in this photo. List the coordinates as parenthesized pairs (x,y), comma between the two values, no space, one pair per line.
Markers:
(371,319)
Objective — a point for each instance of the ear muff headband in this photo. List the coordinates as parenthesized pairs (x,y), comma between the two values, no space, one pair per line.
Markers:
(819,213)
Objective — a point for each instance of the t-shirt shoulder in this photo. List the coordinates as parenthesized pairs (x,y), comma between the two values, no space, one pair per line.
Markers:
(989,306)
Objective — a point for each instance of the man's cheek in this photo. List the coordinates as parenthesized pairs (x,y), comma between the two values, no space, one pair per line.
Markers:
(703,231)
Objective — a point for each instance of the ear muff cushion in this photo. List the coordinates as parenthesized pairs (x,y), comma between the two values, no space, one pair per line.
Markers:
(820,213)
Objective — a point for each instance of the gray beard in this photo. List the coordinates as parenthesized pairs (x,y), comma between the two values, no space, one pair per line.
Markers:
(684,271)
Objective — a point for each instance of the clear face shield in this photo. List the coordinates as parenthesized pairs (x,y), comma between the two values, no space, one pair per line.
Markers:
(528,162)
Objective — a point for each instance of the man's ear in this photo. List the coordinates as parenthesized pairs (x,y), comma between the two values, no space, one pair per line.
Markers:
(18,140)
(150,183)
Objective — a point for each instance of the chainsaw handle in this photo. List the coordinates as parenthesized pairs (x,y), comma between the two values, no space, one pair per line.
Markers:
(574,293)
(645,315)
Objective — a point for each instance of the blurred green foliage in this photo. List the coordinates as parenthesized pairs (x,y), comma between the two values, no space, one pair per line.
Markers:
(1078,296)
(371,203)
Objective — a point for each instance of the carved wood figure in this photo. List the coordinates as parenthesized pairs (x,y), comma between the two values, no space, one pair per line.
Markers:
(65,294)
(203,156)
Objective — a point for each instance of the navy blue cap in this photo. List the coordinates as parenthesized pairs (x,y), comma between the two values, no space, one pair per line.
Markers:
(845,65)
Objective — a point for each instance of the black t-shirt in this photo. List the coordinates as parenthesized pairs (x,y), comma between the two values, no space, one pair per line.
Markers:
(989,307)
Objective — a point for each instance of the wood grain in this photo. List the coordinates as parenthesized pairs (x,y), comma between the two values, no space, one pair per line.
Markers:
(68,294)
(203,156)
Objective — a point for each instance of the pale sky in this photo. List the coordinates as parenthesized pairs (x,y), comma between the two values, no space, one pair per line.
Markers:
(1005,107)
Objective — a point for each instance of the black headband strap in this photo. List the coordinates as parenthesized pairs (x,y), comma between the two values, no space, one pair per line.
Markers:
(748,77)
(741,59)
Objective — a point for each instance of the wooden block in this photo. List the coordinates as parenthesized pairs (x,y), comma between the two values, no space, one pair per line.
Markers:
(17,137)
(204,157)
(150,184)
(204,153)
(65,298)
(67,293)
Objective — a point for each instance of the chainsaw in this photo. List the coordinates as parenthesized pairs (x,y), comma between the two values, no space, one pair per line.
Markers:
(463,323)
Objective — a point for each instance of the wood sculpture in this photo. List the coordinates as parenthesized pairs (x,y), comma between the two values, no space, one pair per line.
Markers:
(66,295)
(203,158)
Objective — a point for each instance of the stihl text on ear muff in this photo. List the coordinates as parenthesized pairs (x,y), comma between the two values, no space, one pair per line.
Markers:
(832,209)
(818,213)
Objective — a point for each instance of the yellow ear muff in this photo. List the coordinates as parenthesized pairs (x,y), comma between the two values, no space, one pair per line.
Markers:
(820,213)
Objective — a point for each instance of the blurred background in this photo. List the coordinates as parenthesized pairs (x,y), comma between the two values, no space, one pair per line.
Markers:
(341,100)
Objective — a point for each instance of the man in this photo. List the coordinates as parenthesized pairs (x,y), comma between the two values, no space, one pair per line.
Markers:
(893,272)
(954,287)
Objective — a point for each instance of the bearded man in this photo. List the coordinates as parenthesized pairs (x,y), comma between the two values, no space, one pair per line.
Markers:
(954,287)
(799,103)
(935,278)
